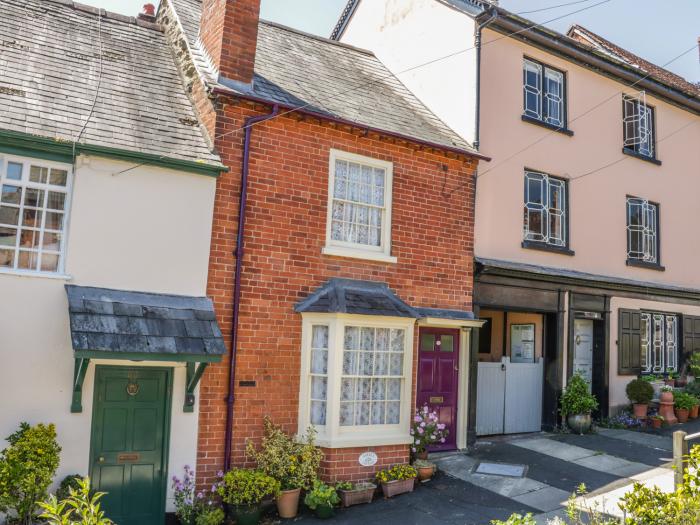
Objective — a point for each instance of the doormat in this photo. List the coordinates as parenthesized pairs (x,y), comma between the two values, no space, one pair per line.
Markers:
(501,469)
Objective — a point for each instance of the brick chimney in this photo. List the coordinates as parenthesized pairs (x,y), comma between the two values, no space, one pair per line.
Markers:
(229,33)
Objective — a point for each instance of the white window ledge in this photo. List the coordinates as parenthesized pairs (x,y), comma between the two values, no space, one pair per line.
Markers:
(365,439)
(41,275)
(342,251)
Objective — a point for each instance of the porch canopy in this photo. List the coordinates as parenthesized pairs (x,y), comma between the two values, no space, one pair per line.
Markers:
(352,296)
(139,326)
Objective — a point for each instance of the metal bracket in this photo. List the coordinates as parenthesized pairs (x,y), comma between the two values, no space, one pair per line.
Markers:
(194,374)
(79,370)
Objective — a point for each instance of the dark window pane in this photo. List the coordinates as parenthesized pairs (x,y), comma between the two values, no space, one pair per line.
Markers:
(427,342)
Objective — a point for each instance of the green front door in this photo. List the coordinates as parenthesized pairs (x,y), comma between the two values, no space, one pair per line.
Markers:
(130,435)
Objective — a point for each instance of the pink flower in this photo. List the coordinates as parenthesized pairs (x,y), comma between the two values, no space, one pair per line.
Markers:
(442,440)
(413,449)
(417,419)
(422,425)
(441,426)
(420,430)
(417,441)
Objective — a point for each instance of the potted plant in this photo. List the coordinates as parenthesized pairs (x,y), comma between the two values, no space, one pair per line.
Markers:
(683,402)
(425,469)
(293,463)
(321,499)
(397,479)
(243,491)
(640,393)
(191,506)
(426,430)
(671,379)
(666,394)
(577,403)
(355,493)
(657,421)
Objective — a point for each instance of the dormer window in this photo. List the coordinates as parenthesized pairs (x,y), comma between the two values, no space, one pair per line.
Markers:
(544,94)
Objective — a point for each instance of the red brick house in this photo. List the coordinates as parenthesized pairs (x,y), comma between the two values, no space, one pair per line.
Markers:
(342,242)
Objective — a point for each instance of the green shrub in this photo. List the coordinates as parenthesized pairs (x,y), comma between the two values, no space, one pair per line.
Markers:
(293,463)
(640,391)
(516,519)
(321,495)
(81,507)
(27,467)
(693,388)
(210,516)
(247,487)
(684,401)
(694,364)
(71,481)
(576,399)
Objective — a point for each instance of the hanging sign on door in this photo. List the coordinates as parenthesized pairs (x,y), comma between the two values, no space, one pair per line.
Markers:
(522,343)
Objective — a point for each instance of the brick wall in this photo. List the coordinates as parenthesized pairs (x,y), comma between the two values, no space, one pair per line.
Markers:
(285,231)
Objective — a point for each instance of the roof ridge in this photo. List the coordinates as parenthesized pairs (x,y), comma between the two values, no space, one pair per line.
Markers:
(316,37)
(110,15)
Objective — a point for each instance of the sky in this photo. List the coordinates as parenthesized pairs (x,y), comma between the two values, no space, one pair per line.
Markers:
(657,30)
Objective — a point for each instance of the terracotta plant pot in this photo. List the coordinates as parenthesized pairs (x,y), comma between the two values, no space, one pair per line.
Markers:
(694,412)
(579,423)
(666,397)
(682,415)
(640,410)
(324,512)
(656,423)
(425,472)
(288,503)
(362,493)
(394,488)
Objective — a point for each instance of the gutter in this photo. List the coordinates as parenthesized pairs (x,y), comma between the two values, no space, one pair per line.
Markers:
(477,41)
(322,116)
(249,123)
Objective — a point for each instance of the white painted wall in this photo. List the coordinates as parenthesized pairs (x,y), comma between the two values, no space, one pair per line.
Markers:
(146,230)
(406,33)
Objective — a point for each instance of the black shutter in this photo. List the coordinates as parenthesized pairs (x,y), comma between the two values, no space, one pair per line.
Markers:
(691,338)
(629,342)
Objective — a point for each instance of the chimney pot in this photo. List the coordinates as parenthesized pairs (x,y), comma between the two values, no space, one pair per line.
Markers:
(148,14)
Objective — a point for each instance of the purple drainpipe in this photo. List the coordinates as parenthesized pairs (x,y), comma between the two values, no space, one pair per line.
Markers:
(248,125)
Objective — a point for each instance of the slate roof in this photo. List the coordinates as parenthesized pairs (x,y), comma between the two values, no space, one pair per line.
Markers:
(591,39)
(296,69)
(49,73)
(119,321)
(350,296)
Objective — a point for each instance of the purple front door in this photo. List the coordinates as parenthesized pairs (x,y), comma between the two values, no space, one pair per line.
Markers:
(438,357)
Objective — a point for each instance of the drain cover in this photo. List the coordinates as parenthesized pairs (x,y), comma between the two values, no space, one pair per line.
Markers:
(501,469)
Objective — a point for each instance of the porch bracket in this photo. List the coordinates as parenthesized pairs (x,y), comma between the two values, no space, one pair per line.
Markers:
(79,370)
(194,374)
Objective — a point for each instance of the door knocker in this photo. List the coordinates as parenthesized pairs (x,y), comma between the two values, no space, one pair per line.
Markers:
(132,387)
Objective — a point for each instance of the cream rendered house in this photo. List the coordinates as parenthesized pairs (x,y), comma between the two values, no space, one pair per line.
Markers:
(107,191)
(586,256)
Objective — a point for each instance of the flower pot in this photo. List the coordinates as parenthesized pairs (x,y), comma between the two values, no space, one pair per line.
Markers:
(362,493)
(324,512)
(425,472)
(245,515)
(640,410)
(396,487)
(422,455)
(666,397)
(656,423)
(694,412)
(682,415)
(579,423)
(288,503)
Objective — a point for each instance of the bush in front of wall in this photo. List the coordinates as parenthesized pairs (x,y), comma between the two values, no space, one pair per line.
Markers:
(684,401)
(71,481)
(693,388)
(81,507)
(244,490)
(640,391)
(321,499)
(27,467)
(576,399)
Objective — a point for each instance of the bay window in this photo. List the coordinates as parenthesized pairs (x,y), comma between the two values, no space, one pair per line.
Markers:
(356,378)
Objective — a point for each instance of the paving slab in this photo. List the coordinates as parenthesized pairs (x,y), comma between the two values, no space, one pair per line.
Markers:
(640,452)
(661,442)
(554,448)
(546,499)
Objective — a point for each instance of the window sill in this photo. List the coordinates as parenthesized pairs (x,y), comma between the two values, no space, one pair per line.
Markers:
(341,251)
(41,275)
(647,265)
(543,124)
(632,153)
(365,439)
(534,245)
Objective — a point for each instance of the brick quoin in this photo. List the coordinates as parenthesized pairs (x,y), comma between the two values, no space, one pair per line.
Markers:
(431,234)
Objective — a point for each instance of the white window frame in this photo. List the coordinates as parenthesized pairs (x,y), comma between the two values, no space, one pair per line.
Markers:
(544,96)
(546,210)
(638,125)
(649,230)
(332,435)
(27,162)
(380,253)
(659,355)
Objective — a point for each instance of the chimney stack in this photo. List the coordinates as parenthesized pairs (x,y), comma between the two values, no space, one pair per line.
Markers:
(229,33)
(148,14)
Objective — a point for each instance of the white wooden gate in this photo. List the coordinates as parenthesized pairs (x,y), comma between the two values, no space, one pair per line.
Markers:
(509,397)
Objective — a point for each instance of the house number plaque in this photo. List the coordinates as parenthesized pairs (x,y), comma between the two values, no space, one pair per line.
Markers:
(367,459)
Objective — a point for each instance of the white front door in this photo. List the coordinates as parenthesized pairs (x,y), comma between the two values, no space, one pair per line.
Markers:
(583,348)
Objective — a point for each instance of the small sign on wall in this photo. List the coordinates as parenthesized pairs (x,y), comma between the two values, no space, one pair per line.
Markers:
(368,459)
(522,343)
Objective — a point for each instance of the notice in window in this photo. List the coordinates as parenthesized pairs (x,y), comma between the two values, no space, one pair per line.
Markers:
(522,343)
